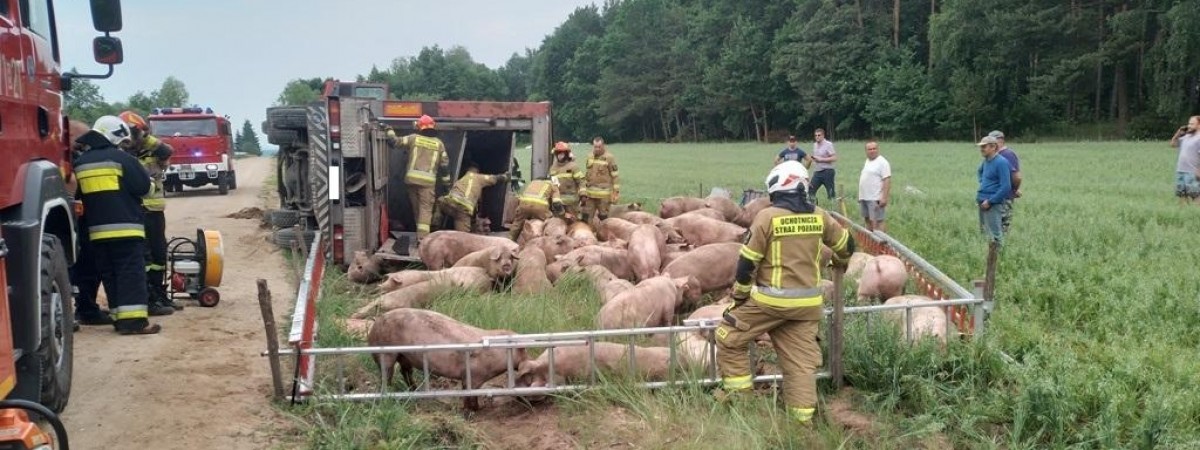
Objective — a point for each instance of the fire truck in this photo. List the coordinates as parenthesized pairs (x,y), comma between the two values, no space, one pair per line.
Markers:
(339,177)
(37,214)
(203,145)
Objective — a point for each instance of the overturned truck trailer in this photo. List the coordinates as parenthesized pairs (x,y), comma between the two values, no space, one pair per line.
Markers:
(339,178)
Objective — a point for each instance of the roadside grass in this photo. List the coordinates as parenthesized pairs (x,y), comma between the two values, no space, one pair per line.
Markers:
(1092,343)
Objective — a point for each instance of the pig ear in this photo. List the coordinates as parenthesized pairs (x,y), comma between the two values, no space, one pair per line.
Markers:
(496,253)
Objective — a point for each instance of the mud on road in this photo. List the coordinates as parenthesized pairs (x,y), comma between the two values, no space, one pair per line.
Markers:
(200,383)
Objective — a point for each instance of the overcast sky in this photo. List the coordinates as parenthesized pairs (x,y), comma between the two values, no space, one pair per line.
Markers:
(236,55)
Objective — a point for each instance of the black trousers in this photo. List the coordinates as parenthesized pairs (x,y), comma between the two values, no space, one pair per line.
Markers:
(156,256)
(822,178)
(122,264)
(85,276)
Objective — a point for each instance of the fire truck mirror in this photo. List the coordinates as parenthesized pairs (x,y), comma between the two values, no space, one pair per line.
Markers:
(107,50)
(106,15)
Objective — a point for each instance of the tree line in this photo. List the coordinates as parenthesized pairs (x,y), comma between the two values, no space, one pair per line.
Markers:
(694,70)
(85,103)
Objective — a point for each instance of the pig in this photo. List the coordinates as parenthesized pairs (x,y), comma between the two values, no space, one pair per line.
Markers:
(675,206)
(358,327)
(614,228)
(531,272)
(727,207)
(499,262)
(573,364)
(651,303)
(672,235)
(419,295)
(582,233)
(699,230)
(614,260)
(713,265)
(706,212)
(670,257)
(694,352)
(441,249)
(401,279)
(364,269)
(857,261)
(554,226)
(552,246)
(618,210)
(610,289)
(646,247)
(607,284)
(640,218)
(882,278)
(421,327)
(746,217)
(554,270)
(531,229)
(928,321)
(618,244)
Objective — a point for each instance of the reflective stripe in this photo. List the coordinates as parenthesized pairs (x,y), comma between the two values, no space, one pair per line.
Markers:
(540,188)
(776,264)
(597,161)
(116,230)
(534,201)
(467,206)
(750,254)
(843,241)
(98,165)
(791,293)
(150,267)
(418,175)
(569,199)
(802,415)
(785,302)
(737,383)
(598,192)
(99,176)
(740,288)
(423,227)
(131,312)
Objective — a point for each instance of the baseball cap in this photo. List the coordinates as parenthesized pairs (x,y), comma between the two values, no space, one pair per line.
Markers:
(997,134)
(989,139)
(791,139)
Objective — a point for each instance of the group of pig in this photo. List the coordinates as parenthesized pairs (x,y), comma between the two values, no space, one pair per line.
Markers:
(647,269)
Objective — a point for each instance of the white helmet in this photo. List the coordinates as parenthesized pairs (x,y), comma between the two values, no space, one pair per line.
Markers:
(787,176)
(114,129)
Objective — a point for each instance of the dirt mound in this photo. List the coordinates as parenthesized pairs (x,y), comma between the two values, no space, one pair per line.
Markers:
(514,425)
(251,212)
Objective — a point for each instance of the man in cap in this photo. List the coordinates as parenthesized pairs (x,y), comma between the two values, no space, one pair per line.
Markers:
(1015,166)
(995,186)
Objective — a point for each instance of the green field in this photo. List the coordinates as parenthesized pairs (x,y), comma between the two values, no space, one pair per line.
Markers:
(1093,343)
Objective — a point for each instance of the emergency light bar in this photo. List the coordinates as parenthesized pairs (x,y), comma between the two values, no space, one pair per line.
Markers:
(192,110)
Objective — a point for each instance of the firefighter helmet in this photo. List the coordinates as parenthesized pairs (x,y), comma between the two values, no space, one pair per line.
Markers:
(135,121)
(425,122)
(787,176)
(114,129)
(561,147)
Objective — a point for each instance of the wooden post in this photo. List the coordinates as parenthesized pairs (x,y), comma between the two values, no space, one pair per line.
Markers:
(842,200)
(264,303)
(989,282)
(836,330)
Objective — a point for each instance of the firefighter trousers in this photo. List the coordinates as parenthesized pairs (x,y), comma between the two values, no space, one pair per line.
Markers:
(156,257)
(793,333)
(122,264)
(525,212)
(85,276)
(595,206)
(421,198)
(461,218)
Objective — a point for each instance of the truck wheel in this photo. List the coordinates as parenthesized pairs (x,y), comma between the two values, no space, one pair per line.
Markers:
(286,237)
(283,218)
(288,117)
(223,184)
(44,376)
(282,137)
(233,180)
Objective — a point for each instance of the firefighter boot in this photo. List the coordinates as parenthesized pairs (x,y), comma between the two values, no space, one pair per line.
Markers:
(157,289)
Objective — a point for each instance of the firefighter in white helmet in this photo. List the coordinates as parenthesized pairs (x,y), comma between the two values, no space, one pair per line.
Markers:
(777,291)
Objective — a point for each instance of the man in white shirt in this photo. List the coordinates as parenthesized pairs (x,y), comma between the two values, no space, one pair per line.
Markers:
(874,187)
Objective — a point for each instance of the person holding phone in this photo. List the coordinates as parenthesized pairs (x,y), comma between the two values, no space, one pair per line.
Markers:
(1187,169)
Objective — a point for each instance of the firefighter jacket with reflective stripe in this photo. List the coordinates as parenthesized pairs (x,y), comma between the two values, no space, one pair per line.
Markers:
(786,247)
(540,193)
(427,155)
(602,176)
(467,190)
(154,156)
(570,180)
(111,185)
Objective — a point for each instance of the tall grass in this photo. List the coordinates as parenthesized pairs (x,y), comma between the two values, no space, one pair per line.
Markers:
(1093,342)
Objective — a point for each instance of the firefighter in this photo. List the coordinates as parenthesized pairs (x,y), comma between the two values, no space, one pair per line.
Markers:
(155,156)
(85,276)
(110,184)
(602,186)
(459,204)
(427,165)
(538,201)
(776,290)
(570,178)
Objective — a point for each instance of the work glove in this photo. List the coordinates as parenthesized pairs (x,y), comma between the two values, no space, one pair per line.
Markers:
(556,208)
(741,293)
(502,178)
(839,263)
(391,134)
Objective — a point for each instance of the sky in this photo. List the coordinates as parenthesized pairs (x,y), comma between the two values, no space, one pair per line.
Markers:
(236,55)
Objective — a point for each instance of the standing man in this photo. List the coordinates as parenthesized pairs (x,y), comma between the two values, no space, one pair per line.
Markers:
(111,184)
(571,180)
(602,184)
(1015,164)
(777,290)
(460,203)
(538,201)
(155,156)
(874,188)
(995,185)
(825,156)
(1187,169)
(427,165)
(85,274)
(793,153)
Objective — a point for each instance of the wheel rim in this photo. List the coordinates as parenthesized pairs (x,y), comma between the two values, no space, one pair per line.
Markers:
(59,341)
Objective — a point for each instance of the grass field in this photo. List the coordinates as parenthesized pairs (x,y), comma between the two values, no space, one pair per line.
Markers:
(1093,343)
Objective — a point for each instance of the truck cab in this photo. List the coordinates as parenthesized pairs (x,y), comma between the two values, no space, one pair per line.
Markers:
(203,145)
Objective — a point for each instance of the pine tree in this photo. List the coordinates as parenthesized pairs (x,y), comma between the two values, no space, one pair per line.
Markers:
(249,140)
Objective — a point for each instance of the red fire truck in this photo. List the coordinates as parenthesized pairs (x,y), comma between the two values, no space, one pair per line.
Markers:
(37,220)
(203,147)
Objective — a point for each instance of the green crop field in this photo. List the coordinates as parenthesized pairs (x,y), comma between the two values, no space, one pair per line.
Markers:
(1093,343)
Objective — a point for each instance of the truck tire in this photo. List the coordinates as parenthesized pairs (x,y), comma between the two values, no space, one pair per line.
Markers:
(288,117)
(44,375)
(282,137)
(233,179)
(283,218)
(287,237)
(223,183)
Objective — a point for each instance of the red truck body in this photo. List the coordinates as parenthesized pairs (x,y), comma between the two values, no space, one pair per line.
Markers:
(203,148)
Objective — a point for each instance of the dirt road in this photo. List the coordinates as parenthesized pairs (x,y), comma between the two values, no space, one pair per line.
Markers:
(200,383)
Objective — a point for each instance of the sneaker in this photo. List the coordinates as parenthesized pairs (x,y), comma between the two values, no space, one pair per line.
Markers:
(160,310)
(148,329)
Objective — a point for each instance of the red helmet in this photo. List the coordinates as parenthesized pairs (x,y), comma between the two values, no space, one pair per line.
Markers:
(425,122)
(561,147)
(135,121)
